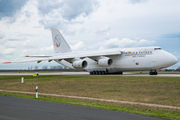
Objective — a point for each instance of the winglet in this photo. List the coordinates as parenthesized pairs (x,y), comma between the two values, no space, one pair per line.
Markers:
(6,62)
(26,56)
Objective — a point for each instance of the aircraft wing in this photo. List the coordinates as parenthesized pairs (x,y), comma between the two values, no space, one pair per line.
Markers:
(70,56)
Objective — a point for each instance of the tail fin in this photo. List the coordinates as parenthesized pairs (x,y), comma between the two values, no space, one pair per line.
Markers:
(60,44)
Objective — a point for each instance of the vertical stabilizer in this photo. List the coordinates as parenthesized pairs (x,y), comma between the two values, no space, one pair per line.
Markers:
(59,43)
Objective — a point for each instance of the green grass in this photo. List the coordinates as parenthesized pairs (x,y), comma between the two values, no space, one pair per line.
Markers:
(155,90)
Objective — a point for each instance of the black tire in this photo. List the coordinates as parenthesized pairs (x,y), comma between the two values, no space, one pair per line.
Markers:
(153,73)
(121,73)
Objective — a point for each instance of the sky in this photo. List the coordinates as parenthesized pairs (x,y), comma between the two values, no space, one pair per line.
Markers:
(86,25)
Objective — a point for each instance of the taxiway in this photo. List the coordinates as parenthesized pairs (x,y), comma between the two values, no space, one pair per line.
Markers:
(12,108)
(87,73)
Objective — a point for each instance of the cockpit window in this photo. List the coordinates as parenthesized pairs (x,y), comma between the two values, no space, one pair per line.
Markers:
(157,48)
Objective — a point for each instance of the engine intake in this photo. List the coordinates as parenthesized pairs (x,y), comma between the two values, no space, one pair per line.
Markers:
(80,64)
(105,62)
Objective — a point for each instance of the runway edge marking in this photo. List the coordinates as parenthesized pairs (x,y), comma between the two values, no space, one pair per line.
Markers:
(97,99)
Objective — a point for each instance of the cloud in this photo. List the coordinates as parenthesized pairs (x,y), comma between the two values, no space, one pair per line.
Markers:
(74,8)
(1,36)
(27,44)
(46,50)
(112,43)
(137,1)
(144,42)
(9,7)
(68,9)
(12,44)
(9,51)
(64,14)
(125,42)
(78,46)
(25,34)
(103,30)
(46,6)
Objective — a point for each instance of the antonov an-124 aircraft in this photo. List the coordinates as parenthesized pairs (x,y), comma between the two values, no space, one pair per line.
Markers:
(114,61)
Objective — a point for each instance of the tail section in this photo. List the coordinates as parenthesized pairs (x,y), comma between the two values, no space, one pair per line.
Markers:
(60,44)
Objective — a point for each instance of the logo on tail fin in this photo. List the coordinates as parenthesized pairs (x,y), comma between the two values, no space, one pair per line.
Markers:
(57,41)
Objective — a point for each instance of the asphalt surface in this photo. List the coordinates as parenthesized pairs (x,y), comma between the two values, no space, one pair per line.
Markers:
(87,73)
(12,108)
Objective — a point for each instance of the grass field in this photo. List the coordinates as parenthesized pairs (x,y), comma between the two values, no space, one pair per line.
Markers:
(156,90)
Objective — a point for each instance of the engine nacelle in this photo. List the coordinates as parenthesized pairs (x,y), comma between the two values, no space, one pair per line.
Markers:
(105,62)
(80,64)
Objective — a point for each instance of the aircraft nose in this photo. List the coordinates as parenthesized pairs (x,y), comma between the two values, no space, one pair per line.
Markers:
(173,59)
(168,60)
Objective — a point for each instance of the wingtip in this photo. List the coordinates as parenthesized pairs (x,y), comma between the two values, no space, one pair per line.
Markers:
(27,56)
(6,62)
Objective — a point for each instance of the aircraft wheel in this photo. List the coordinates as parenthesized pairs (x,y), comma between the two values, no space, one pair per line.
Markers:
(94,72)
(153,73)
(121,73)
(91,73)
(100,72)
(103,73)
(97,73)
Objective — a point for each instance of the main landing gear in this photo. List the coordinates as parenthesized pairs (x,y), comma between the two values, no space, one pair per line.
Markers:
(98,72)
(104,73)
(153,72)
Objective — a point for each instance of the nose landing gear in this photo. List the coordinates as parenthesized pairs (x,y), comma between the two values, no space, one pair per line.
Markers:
(153,72)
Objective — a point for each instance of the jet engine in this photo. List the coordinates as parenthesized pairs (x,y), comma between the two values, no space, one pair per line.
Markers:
(105,62)
(80,64)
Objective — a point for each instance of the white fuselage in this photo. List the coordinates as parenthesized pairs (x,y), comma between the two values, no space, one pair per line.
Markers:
(131,59)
